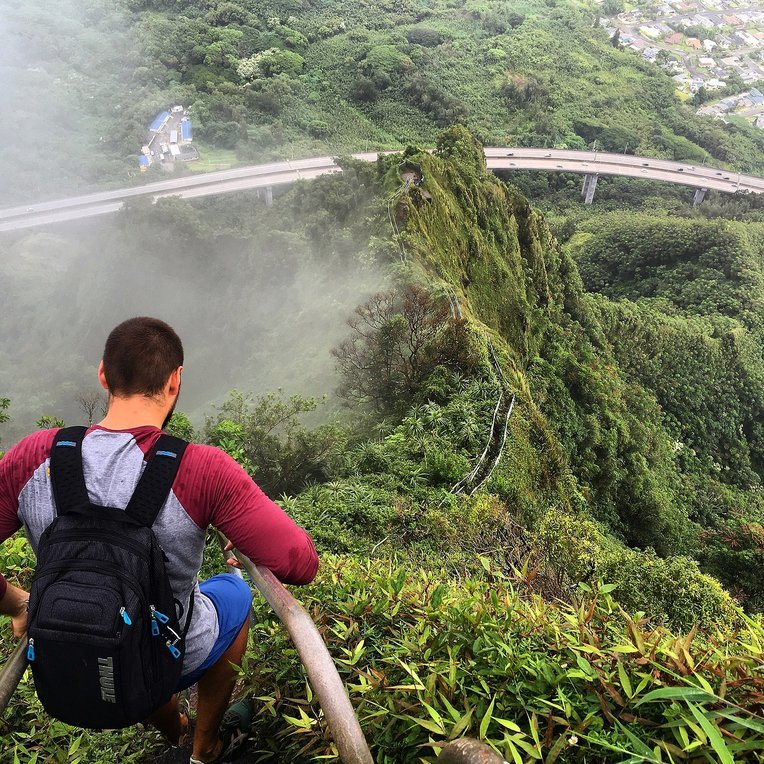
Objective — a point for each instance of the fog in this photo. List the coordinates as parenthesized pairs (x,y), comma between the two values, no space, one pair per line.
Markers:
(256,295)
(257,310)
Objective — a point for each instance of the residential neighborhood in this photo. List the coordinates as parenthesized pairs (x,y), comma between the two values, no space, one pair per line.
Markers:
(705,45)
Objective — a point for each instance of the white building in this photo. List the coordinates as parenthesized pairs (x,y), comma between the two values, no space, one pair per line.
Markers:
(651,32)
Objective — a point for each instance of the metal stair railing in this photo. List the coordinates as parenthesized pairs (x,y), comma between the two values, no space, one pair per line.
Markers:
(322,673)
(11,673)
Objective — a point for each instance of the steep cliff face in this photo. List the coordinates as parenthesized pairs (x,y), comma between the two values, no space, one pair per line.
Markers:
(591,465)
(484,243)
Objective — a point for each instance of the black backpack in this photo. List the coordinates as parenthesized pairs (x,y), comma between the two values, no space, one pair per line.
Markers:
(105,643)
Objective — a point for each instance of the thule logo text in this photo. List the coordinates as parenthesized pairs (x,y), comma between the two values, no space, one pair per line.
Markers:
(106,679)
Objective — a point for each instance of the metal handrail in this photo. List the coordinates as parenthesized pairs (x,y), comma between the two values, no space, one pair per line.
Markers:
(11,673)
(323,675)
(469,751)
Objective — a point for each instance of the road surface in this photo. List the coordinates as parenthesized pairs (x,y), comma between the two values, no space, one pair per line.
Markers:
(276,173)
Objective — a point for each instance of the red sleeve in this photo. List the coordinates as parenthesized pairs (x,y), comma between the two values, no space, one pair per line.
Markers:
(216,491)
(16,468)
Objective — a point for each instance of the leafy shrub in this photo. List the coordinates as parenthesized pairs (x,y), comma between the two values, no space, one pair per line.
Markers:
(424,36)
(268,439)
(734,552)
(318,128)
(670,590)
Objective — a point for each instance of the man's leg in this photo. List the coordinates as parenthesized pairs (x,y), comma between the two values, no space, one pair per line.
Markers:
(215,690)
(169,721)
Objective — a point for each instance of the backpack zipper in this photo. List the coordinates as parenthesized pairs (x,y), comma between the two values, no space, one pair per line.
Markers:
(81,565)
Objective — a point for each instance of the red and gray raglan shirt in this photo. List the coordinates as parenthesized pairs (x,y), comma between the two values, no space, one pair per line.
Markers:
(209,489)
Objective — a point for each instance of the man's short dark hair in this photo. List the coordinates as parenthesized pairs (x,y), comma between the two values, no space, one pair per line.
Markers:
(140,355)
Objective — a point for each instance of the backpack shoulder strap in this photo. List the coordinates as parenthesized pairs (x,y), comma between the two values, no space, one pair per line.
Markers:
(157,478)
(66,475)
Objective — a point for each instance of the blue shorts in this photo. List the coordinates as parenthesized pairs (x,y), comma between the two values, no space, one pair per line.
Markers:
(232,599)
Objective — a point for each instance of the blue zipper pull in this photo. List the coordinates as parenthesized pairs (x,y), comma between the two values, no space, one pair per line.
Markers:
(30,650)
(173,650)
(159,616)
(125,616)
(154,628)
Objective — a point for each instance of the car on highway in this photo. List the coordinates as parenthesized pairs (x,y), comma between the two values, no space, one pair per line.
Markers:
(511,154)
(680,169)
(644,171)
(559,165)
(547,155)
(718,173)
(30,209)
(645,164)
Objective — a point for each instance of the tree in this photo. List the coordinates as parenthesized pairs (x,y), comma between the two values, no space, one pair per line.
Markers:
(365,90)
(46,422)
(92,402)
(398,339)
(271,62)
(424,36)
(265,435)
(4,406)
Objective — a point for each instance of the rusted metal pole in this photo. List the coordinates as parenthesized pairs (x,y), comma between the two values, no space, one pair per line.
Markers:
(324,679)
(11,673)
(469,751)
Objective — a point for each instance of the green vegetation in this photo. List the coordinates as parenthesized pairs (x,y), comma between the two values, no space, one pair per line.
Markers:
(212,159)
(283,78)
(536,490)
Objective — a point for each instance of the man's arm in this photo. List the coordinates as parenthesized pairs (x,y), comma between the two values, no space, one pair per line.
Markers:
(16,468)
(256,526)
(12,599)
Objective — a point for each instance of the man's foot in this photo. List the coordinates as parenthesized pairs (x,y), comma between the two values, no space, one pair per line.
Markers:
(234,733)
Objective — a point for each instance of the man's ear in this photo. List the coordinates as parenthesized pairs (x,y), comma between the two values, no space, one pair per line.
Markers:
(173,383)
(102,377)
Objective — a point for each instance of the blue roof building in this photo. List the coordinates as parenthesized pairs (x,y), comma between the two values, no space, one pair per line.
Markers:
(159,122)
(185,130)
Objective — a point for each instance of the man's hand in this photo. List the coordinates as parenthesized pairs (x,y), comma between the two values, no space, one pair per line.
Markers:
(232,559)
(14,604)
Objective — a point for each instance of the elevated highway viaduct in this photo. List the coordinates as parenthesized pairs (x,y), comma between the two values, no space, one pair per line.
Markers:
(590,164)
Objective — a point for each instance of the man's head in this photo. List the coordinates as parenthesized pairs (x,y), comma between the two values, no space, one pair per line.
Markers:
(140,357)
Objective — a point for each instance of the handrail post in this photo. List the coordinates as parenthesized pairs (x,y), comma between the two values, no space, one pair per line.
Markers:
(11,673)
(322,673)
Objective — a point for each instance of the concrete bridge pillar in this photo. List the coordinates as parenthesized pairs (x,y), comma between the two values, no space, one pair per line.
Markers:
(590,184)
(700,195)
(269,196)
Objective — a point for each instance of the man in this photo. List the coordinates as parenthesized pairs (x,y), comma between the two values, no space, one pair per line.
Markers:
(141,370)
